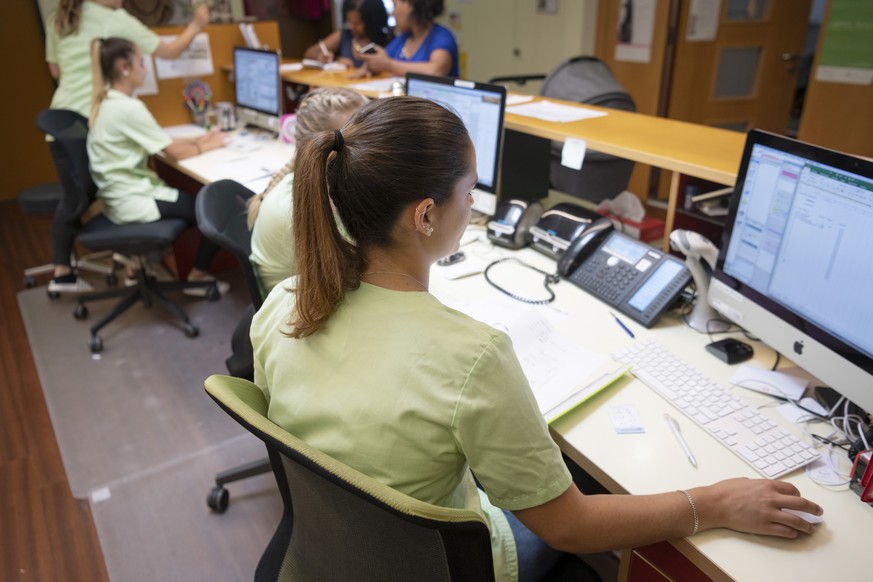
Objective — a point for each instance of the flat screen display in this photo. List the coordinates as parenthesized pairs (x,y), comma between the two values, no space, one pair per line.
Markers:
(794,267)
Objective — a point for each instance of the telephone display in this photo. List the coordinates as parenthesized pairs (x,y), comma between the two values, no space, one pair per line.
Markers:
(635,278)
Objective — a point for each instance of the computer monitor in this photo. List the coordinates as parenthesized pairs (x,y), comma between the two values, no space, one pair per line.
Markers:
(795,263)
(258,87)
(481,108)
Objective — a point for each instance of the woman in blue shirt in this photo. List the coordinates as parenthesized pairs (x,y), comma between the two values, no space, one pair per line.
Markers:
(421,45)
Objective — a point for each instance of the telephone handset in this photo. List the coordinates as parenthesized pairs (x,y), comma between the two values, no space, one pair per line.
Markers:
(583,245)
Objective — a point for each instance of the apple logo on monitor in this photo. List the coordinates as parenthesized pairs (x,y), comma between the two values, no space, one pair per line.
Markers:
(798,347)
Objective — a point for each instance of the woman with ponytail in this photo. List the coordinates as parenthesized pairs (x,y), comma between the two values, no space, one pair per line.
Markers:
(78,22)
(269,215)
(123,135)
(360,361)
(74,26)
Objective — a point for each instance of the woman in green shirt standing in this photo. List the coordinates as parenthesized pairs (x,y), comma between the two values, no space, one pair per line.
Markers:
(75,25)
(361,362)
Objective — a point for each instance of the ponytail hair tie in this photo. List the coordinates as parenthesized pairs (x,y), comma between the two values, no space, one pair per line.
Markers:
(338,140)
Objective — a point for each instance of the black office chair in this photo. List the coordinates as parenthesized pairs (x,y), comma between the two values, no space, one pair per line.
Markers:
(221,217)
(586,80)
(70,131)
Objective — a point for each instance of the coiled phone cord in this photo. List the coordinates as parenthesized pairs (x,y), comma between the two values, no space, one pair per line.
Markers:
(550,279)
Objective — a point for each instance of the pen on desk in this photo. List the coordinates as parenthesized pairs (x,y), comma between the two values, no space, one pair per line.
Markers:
(677,432)
(323,48)
(621,323)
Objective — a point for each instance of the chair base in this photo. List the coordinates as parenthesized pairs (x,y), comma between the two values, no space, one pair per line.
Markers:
(87,263)
(147,291)
(218,497)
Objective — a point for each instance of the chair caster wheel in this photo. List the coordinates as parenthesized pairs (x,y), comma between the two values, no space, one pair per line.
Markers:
(96,344)
(191,330)
(53,295)
(212,293)
(29,281)
(112,279)
(81,311)
(218,499)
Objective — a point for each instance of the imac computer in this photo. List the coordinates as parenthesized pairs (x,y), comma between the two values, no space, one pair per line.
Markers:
(257,87)
(481,108)
(794,267)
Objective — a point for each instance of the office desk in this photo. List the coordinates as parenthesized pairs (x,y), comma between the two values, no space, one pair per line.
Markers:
(653,462)
(251,167)
(251,158)
(677,147)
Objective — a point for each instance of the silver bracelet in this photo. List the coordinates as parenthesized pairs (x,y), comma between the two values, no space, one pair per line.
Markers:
(693,511)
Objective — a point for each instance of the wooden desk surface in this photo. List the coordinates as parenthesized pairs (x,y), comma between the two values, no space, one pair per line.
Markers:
(696,150)
(653,462)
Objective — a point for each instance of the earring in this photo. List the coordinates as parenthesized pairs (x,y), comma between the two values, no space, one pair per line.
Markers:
(428,230)
(126,73)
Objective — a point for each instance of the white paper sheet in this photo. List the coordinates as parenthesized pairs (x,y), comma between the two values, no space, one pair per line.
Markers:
(377,85)
(550,111)
(195,61)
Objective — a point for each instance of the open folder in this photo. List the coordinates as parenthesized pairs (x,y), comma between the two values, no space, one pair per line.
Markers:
(562,375)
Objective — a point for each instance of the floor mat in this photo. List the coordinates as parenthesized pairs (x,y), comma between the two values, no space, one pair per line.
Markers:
(140,403)
(155,525)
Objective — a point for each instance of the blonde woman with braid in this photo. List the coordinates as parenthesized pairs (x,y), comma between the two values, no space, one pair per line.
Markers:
(123,135)
(357,359)
(270,212)
(73,26)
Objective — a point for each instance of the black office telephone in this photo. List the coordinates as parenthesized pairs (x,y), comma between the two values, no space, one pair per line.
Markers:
(631,276)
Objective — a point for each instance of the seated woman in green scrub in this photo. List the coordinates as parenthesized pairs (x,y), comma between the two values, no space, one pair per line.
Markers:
(73,26)
(270,212)
(123,135)
(360,361)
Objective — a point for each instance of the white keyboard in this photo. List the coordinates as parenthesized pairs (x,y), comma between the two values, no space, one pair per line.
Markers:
(750,435)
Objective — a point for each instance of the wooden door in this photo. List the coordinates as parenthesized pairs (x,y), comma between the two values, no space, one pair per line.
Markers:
(837,115)
(736,62)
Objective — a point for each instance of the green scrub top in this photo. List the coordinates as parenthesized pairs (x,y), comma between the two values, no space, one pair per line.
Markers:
(72,53)
(416,395)
(272,238)
(120,142)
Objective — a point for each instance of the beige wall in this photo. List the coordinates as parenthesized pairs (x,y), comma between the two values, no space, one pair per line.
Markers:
(509,37)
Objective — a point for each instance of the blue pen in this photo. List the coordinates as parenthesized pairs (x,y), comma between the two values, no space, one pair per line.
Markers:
(621,323)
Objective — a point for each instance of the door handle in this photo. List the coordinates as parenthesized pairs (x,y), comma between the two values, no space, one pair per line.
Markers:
(792,60)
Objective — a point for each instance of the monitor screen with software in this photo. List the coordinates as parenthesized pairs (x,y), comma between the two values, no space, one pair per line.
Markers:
(481,108)
(257,87)
(794,267)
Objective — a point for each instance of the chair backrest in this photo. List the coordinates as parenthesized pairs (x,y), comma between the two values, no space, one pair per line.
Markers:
(221,217)
(340,524)
(70,154)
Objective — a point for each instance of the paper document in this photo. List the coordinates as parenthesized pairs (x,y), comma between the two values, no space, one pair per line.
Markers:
(195,61)
(549,111)
(517,99)
(377,85)
(770,382)
(561,374)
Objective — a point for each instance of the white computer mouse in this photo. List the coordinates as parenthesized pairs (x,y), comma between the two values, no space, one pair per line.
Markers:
(807,517)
